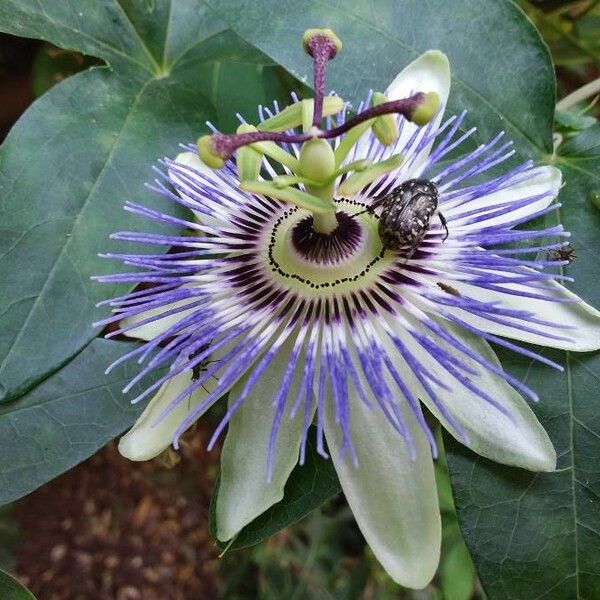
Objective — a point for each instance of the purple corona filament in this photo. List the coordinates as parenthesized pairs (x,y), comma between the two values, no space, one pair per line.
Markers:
(241,302)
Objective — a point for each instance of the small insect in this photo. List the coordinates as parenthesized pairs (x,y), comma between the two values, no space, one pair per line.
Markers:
(201,366)
(448,288)
(406,212)
(565,253)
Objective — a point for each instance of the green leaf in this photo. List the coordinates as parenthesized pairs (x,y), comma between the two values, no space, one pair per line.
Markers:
(307,488)
(579,161)
(572,121)
(501,70)
(89,144)
(457,573)
(11,589)
(51,65)
(65,419)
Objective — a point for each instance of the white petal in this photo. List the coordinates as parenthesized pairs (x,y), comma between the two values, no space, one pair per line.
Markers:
(575,320)
(191,159)
(521,442)
(145,440)
(545,181)
(153,329)
(393,498)
(244,490)
(430,72)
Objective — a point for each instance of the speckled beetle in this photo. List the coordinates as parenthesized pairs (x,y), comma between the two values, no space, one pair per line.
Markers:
(405,214)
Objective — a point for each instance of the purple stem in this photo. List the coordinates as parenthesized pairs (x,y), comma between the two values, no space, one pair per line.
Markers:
(225,145)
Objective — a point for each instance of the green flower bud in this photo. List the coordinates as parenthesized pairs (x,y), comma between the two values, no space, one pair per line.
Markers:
(207,153)
(317,160)
(384,128)
(426,110)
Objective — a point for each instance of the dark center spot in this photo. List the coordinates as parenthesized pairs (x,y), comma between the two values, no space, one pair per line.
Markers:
(327,248)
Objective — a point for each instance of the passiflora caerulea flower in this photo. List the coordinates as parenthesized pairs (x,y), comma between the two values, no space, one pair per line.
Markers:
(283,294)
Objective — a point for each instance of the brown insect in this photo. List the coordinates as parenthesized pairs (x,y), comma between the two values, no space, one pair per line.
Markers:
(565,253)
(448,289)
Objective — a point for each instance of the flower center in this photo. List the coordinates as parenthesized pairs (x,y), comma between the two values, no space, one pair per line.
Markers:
(323,248)
(302,258)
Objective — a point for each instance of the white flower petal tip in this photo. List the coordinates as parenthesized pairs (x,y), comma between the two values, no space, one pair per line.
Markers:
(430,72)
(146,440)
(393,497)
(517,440)
(583,320)
(136,446)
(544,184)
(565,321)
(245,491)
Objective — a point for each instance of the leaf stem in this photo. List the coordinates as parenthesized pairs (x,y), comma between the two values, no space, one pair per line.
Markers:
(583,93)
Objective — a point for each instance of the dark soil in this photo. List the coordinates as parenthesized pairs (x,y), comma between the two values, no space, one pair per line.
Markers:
(115,530)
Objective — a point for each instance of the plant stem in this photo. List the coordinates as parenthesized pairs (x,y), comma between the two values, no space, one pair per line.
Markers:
(583,93)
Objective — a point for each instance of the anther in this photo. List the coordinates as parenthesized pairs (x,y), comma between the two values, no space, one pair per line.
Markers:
(208,154)
(384,128)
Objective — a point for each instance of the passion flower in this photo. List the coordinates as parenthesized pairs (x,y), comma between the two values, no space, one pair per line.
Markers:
(283,295)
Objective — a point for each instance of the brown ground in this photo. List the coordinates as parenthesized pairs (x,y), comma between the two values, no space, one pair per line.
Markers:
(115,530)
